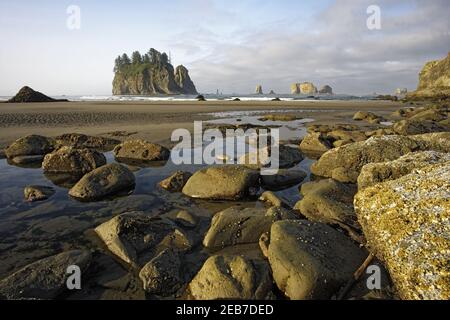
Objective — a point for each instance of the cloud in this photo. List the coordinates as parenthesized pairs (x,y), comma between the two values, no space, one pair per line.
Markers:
(336,49)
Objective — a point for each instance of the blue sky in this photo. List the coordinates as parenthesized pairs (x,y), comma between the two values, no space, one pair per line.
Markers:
(231,45)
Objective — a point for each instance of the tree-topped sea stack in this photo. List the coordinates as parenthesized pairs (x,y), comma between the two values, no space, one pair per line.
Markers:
(149,74)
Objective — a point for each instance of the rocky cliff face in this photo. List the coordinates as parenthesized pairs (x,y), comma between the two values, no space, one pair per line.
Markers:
(434,80)
(150,74)
(259,89)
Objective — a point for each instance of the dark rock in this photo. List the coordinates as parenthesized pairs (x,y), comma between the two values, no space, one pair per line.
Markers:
(73,161)
(26,94)
(176,181)
(38,193)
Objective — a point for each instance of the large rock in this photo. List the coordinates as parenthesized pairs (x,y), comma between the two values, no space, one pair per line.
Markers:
(231,277)
(259,89)
(406,222)
(287,157)
(141,150)
(136,238)
(81,141)
(73,161)
(228,182)
(374,173)
(303,88)
(32,145)
(410,127)
(26,94)
(37,193)
(45,278)
(236,225)
(328,201)
(283,179)
(367,116)
(344,163)
(176,181)
(161,275)
(434,80)
(315,142)
(151,74)
(104,181)
(311,260)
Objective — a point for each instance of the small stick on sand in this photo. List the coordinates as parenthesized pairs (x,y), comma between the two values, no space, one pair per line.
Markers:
(358,273)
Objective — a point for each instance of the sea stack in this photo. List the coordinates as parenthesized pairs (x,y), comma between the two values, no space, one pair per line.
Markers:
(26,94)
(259,89)
(149,74)
(326,89)
(303,88)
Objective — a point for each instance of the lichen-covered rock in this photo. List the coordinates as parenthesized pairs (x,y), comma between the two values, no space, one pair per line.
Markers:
(406,222)
(315,142)
(344,163)
(232,277)
(161,275)
(374,173)
(328,201)
(104,181)
(311,260)
(73,161)
(176,181)
(367,116)
(32,145)
(38,193)
(81,141)
(228,182)
(141,150)
(236,225)
(283,179)
(135,237)
(45,278)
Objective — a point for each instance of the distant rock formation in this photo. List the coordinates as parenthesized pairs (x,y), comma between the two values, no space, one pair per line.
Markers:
(272,92)
(149,74)
(401,91)
(434,81)
(326,89)
(303,88)
(26,94)
(259,89)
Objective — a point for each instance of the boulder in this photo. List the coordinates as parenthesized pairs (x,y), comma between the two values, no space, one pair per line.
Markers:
(228,182)
(344,163)
(73,161)
(328,201)
(81,141)
(287,157)
(405,222)
(430,114)
(161,275)
(367,116)
(374,173)
(310,260)
(411,127)
(26,94)
(272,199)
(45,278)
(315,142)
(32,145)
(283,179)
(105,181)
(231,277)
(141,150)
(136,238)
(236,225)
(37,193)
(176,181)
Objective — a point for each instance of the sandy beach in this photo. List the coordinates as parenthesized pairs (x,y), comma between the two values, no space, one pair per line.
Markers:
(155,121)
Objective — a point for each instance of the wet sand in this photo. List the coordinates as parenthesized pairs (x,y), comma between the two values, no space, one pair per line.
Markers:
(155,121)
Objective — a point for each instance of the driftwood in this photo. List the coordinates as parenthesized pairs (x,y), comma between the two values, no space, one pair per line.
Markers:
(358,273)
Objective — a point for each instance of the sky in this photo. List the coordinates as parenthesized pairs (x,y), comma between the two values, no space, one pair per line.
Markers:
(230,45)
